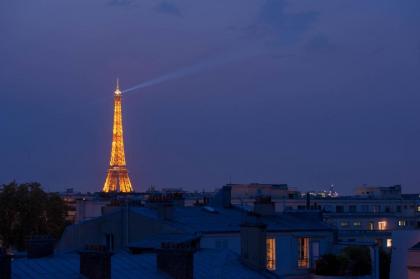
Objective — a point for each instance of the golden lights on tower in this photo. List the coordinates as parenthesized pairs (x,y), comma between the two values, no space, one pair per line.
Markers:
(117,176)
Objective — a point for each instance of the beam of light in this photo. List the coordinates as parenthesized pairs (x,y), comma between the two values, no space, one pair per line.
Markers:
(190,70)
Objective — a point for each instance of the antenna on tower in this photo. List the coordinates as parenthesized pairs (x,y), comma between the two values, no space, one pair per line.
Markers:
(117,90)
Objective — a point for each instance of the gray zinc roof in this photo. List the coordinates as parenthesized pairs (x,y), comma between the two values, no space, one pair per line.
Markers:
(199,219)
(208,264)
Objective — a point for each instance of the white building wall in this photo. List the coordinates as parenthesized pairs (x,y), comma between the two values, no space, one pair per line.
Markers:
(287,251)
(401,242)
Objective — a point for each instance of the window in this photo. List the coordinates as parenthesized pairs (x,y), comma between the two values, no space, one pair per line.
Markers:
(401,223)
(271,253)
(376,208)
(371,226)
(382,225)
(398,208)
(352,208)
(303,252)
(339,209)
(389,242)
(356,224)
(387,209)
(344,224)
(418,208)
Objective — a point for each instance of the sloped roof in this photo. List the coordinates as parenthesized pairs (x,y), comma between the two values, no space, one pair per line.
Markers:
(198,219)
(208,264)
(416,246)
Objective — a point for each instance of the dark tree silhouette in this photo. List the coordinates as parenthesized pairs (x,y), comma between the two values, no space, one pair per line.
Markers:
(27,210)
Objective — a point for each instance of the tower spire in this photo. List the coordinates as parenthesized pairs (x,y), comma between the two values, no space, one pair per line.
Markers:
(117,176)
(117,89)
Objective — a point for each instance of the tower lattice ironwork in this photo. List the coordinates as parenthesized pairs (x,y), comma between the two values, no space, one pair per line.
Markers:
(117,176)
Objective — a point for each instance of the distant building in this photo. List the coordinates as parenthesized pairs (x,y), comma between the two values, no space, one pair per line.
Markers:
(370,215)
(158,236)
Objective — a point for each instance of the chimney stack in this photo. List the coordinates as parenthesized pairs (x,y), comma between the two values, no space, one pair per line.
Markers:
(308,200)
(264,206)
(5,265)
(95,262)
(163,204)
(40,246)
(226,196)
(177,259)
(253,243)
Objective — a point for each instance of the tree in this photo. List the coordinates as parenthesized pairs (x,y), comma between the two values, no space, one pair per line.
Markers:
(27,210)
(359,261)
(352,260)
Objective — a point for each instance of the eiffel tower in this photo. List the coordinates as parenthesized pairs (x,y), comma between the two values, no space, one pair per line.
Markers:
(117,177)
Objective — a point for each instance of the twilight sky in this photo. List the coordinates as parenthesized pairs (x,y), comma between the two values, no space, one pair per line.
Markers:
(304,92)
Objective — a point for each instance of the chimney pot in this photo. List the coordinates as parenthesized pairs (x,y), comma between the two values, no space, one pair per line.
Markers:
(40,246)
(176,259)
(253,243)
(264,206)
(95,262)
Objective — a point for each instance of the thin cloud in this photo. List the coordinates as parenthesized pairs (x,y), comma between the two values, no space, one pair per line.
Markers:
(287,27)
(169,8)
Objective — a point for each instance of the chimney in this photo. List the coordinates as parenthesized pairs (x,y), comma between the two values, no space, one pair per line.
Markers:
(95,262)
(165,210)
(308,200)
(40,246)
(226,194)
(264,206)
(253,243)
(176,259)
(163,204)
(223,197)
(5,265)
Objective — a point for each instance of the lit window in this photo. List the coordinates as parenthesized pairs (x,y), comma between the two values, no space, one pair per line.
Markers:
(418,208)
(382,225)
(303,252)
(271,253)
(389,242)
(344,224)
(371,226)
(356,224)
(401,223)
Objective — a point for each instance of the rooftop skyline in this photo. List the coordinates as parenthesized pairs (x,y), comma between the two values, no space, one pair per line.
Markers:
(271,91)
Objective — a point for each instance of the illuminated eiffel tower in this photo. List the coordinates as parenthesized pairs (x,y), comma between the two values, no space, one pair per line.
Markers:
(117,177)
